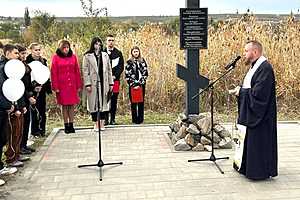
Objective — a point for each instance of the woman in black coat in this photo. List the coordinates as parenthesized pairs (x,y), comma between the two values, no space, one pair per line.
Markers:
(136,74)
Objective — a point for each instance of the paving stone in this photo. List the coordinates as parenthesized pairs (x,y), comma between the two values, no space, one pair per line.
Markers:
(151,169)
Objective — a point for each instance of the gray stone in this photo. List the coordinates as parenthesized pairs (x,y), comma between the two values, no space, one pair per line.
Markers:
(182,132)
(205,125)
(224,133)
(208,148)
(190,140)
(205,141)
(225,143)
(193,129)
(181,145)
(171,126)
(182,117)
(195,118)
(174,138)
(198,147)
(177,126)
(197,137)
(217,138)
(218,128)
(216,146)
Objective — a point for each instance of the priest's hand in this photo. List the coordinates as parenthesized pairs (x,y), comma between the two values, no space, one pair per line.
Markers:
(235,91)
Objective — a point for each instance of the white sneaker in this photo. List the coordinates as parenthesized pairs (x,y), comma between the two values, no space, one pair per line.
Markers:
(96,129)
(30,142)
(102,128)
(8,170)
(17,163)
(23,158)
(2,182)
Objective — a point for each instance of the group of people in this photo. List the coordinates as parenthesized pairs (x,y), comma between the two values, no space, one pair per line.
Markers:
(102,69)
(29,111)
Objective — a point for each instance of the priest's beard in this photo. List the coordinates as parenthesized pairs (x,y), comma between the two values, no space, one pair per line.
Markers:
(247,61)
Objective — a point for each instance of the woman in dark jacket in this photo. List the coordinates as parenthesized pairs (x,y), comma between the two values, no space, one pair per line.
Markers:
(136,74)
(38,113)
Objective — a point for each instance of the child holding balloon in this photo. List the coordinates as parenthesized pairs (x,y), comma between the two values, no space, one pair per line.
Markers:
(6,107)
(38,121)
(16,119)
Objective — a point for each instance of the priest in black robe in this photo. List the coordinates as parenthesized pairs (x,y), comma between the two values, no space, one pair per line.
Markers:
(257,112)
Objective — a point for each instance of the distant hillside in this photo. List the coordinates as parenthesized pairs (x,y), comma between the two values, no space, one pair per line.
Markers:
(157,19)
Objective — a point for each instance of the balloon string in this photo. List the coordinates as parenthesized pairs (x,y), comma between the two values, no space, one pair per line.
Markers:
(11,137)
(37,113)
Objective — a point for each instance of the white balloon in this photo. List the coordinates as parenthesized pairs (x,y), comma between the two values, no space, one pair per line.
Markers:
(14,69)
(39,72)
(35,65)
(13,89)
(41,75)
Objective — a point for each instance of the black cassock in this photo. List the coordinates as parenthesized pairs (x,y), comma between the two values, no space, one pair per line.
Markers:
(257,111)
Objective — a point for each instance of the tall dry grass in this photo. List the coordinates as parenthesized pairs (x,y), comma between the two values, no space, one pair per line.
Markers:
(165,92)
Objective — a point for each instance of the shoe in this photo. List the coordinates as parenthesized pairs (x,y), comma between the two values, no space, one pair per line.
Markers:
(24,158)
(29,149)
(30,142)
(8,171)
(71,128)
(2,182)
(102,128)
(112,122)
(96,129)
(36,135)
(67,128)
(16,164)
(43,134)
(24,151)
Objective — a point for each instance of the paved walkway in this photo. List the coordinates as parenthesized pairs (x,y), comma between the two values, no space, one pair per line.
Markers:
(151,169)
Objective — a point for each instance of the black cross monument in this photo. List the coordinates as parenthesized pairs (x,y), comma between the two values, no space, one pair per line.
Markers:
(193,36)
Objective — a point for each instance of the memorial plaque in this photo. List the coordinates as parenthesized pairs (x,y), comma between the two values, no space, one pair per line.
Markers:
(193,28)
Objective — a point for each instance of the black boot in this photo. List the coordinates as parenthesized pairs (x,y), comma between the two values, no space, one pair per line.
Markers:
(67,128)
(72,130)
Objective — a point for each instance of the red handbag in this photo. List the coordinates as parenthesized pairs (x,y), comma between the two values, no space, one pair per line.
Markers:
(136,95)
(116,86)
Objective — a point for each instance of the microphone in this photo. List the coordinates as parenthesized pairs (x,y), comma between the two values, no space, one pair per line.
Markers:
(233,63)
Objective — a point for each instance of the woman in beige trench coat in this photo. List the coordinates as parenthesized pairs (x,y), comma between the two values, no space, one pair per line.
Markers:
(97,69)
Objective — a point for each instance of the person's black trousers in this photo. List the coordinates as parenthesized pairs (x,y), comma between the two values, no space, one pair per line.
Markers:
(102,115)
(113,106)
(137,112)
(38,117)
(137,109)
(25,127)
(3,133)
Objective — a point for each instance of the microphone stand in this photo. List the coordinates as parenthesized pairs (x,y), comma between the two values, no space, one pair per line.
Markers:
(100,163)
(211,88)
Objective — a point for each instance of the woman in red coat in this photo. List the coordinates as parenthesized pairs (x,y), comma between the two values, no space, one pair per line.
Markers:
(66,82)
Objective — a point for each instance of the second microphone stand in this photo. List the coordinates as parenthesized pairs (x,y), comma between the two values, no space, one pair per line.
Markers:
(100,163)
(210,87)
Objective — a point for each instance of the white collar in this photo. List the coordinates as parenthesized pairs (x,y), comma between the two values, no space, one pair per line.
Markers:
(252,70)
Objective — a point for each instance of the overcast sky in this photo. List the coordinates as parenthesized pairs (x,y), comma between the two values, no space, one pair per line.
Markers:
(68,8)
